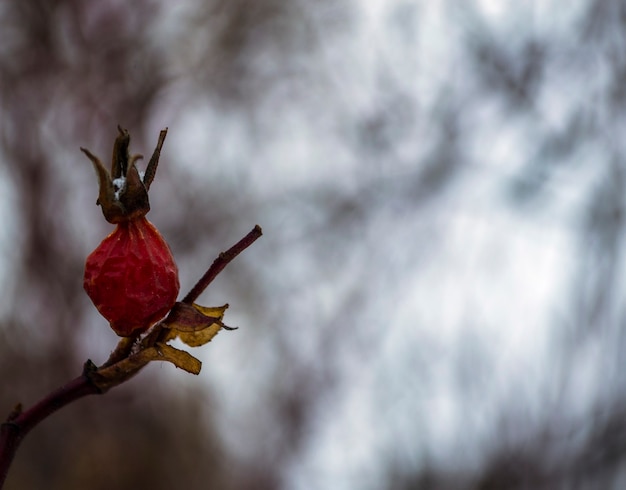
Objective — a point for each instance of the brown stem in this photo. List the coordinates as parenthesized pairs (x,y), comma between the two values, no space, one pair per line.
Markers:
(95,380)
(19,423)
(222,261)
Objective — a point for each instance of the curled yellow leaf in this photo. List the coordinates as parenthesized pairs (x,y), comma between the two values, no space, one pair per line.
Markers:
(180,358)
(194,325)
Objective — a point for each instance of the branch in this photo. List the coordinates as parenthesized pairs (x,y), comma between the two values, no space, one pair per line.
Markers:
(222,261)
(19,423)
(119,368)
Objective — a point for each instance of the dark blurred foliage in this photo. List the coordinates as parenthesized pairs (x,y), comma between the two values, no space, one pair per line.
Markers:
(72,70)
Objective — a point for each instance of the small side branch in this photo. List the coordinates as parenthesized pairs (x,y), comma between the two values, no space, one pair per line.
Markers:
(222,261)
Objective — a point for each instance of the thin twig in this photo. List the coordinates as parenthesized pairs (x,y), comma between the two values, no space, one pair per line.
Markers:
(13,431)
(222,261)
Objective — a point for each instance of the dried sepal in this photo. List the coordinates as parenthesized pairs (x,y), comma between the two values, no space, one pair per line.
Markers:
(148,176)
(107,191)
(119,160)
(123,193)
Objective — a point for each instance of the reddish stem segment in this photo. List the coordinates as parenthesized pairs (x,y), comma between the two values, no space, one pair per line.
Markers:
(19,423)
(13,431)
(222,261)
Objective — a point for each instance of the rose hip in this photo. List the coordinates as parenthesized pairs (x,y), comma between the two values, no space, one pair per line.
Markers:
(131,277)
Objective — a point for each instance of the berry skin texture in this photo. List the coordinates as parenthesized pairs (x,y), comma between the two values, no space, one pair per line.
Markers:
(132,278)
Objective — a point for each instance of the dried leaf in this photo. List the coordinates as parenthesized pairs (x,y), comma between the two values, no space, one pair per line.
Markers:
(200,337)
(195,325)
(112,375)
(191,318)
(179,358)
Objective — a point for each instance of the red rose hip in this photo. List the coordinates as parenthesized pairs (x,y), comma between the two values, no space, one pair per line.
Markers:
(131,277)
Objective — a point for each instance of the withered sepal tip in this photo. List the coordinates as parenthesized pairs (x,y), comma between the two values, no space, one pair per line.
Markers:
(123,193)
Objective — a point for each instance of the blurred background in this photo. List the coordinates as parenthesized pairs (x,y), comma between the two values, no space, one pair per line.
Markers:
(437,301)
